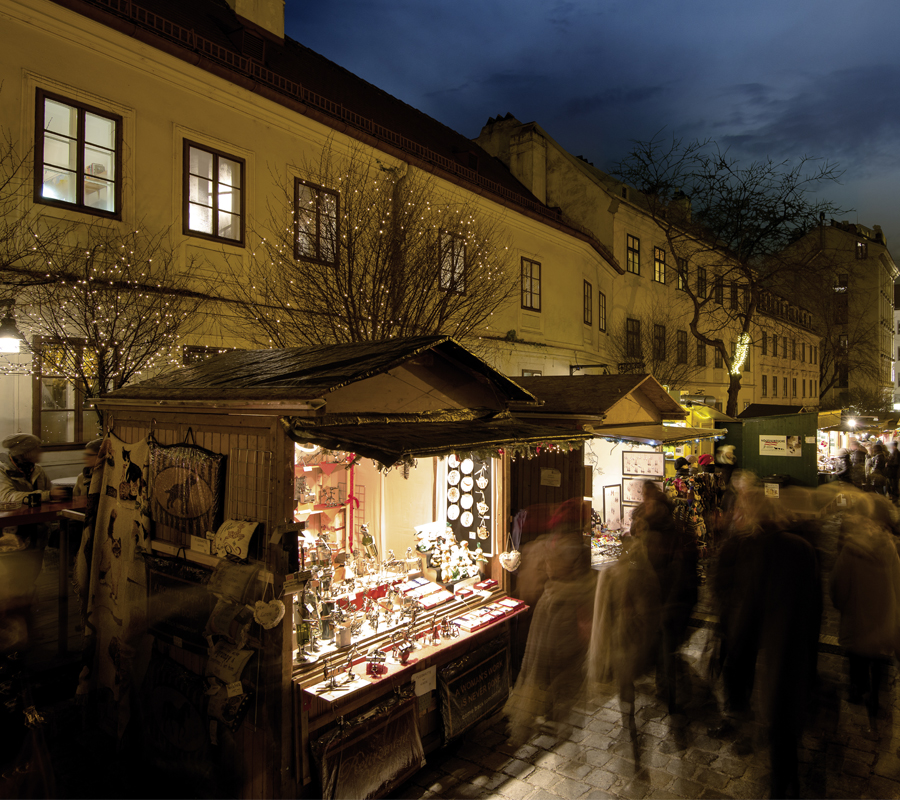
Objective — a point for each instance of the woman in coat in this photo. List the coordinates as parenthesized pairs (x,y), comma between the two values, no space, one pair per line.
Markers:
(876,468)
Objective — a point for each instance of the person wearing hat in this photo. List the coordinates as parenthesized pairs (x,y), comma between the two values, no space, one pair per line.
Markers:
(842,465)
(21,474)
(706,462)
(91,451)
(683,465)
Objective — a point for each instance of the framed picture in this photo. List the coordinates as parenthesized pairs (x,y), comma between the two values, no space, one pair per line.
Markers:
(612,506)
(627,514)
(641,462)
(633,488)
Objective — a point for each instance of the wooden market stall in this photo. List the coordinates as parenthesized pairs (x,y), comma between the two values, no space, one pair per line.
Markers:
(270,447)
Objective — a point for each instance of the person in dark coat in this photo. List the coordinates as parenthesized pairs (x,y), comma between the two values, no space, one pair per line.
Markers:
(768,590)
(893,468)
(842,465)
(857,463)
(876,468)
(673,555)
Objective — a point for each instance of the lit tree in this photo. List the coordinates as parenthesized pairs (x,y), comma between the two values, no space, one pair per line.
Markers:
(354,250)
(113,307)
(729,229)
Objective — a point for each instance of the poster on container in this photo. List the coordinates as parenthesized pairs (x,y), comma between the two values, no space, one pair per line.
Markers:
(773,445)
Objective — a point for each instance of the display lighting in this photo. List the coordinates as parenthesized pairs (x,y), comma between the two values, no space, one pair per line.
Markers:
(741,351)
(10,337)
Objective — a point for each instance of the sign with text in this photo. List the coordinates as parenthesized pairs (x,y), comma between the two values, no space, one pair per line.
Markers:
(474,686)
(774,445)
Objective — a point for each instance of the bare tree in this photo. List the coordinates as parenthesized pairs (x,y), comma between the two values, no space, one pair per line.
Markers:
(655,340)
(114,307)
(353,250)
(868,399)
(728,228)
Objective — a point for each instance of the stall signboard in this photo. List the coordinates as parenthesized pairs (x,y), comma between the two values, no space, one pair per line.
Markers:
(474,686)
(775,445)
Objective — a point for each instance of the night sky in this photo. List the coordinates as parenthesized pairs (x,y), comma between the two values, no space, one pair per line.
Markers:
(767,79)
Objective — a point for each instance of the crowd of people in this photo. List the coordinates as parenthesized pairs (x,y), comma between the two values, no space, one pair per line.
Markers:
(871,466)
(594,632)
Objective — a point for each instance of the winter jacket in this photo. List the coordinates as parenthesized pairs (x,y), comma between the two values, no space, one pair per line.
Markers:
(876,470)
(15,487)
(842,468)
(865,588)
(858,466)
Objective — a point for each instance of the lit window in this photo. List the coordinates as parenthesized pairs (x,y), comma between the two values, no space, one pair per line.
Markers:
(316,226)
(659,265)
(862,249)
(531,285)
(213,194)
(78,152)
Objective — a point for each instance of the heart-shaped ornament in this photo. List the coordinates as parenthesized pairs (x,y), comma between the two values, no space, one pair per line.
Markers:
(510,561)
(268,614)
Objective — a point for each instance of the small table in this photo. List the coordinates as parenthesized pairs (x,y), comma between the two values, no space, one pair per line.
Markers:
(62,510)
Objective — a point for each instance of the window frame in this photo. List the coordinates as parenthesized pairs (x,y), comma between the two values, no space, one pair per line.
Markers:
(659,265)
(794,387)
(39,131)
(320,190)
(719,290)
(718,361)
(588,303)
(681,347)
(659,342)
(186,194)
(632,254)
(701,283)
(774,386)
(529,306)
(444,235)
(37,345)
(765,385)
(764,343)
(784,385)
(601,311)
(633,349)
(701,354)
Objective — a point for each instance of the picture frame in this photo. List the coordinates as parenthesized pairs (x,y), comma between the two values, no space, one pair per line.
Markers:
(627,515)
(632,489)
(643,463)
(612,506)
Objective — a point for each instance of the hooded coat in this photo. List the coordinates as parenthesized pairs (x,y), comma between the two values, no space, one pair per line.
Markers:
(865,588)
(15,487)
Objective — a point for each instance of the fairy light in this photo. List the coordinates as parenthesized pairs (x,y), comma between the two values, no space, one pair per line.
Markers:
(741,351)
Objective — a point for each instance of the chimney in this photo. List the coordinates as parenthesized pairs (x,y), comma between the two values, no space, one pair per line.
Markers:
(265,15)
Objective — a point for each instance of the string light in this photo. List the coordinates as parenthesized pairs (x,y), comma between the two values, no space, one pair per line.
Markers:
(741,351)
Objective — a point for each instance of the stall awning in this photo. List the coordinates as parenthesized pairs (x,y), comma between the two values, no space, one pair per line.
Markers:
(657,434)
(393,442)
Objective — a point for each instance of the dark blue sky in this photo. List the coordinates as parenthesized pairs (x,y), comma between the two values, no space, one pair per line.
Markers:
(779,79)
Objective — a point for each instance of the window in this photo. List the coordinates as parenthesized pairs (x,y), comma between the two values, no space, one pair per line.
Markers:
(719,290)
(681,347)
(634,254)
(59,412)
(718,363)
(784,386)
(194,354)
(840,309)
(734,294)
(659,265)
(659,342)
(803,384)
(841,283)
(681,283)
(452,260)
(588,303)
(793,349)
(701,354)
(317,215)
(862,249)
(784,347)
(633,338)
(803,351)
(774,386)
(701,283)
(213,194)
(601,311)
(531,373)
(843,342)
(531,285)
(794,387)
(78,156)
(764,343)
(774,345)
(765,385)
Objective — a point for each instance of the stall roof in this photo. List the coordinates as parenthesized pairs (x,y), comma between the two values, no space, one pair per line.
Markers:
(595,395)
(305,373)
(709,412)
(390,442)
(661,434)
(771,410)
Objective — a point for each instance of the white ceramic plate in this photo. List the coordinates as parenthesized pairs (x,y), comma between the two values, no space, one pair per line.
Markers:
(453,512)
(466,501)
(453,460)
(467,466)
(453,494)
(467,483)
(466,519)
(453,477)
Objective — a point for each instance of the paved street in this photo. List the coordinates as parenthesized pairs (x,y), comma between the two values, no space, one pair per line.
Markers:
(674,757)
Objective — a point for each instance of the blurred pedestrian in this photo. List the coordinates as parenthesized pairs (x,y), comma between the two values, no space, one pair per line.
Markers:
(857,463)
(90,455)
(876,468)
(842,465)
(865,588)
(893,468)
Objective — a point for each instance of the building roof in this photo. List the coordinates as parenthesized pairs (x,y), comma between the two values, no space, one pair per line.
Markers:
(208,33)
(304,373)
(594,395)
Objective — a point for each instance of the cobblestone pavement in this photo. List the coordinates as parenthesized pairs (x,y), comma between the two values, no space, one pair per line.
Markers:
(673,755)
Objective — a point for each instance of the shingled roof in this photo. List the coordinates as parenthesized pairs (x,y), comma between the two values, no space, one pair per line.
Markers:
(207,34)
(304,373)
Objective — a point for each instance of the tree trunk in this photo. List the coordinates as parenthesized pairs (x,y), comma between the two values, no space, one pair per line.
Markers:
(734,386)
